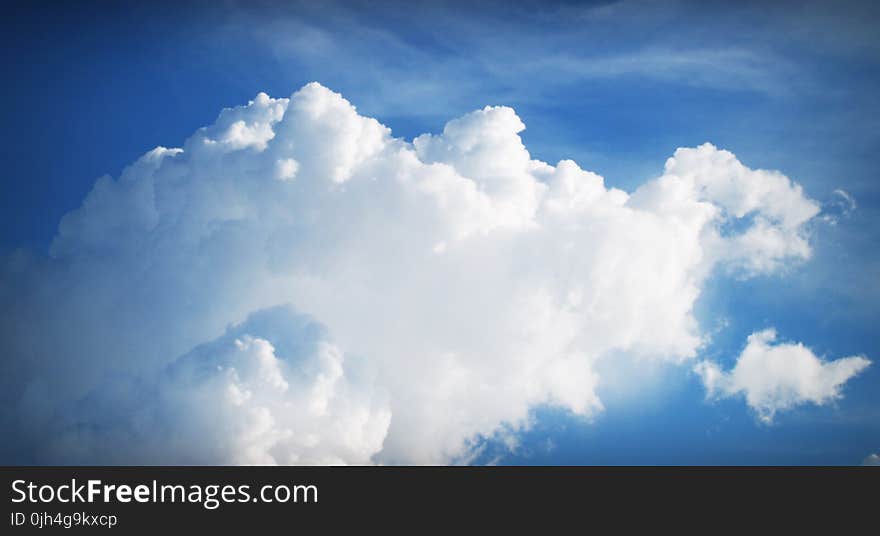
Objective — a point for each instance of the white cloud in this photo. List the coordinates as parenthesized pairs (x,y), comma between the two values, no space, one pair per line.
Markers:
(286,168)
(842,205)
(848,201)
(777,377)
(723,67)
(872,460)
(472,281)
(287,396)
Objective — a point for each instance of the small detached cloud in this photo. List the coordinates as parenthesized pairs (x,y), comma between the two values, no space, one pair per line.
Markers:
(841,206)
(872,460)
(778,377)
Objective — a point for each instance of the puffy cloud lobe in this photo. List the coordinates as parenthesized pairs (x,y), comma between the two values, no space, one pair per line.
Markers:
(476,281)
(768,209)
(777,377)
(239,403)
(288,396)
(872,460)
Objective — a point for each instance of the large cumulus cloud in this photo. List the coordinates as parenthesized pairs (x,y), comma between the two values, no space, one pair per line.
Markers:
(453,282)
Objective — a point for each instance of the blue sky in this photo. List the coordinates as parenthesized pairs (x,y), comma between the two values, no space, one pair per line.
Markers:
(616,86)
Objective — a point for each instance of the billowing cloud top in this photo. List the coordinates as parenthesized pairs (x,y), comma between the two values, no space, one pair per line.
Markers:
(295,285)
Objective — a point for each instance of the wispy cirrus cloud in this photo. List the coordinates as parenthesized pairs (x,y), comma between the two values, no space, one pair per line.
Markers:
(434,63)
